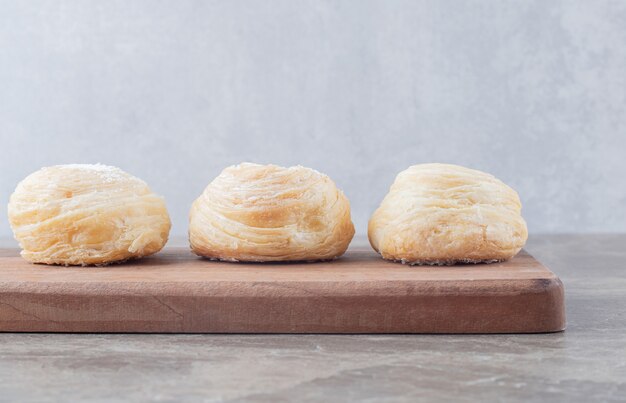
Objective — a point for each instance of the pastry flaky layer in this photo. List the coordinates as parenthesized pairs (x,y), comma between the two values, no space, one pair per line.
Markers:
(86,215)
(264,213)
(446,214)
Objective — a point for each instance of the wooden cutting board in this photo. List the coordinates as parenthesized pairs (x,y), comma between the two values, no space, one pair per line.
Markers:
(175,291)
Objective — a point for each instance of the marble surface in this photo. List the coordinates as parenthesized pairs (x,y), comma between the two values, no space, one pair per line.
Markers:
(587,362)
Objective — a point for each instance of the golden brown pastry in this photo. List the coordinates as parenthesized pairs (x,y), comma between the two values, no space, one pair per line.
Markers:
(86,215)
(446,214)
(264,213)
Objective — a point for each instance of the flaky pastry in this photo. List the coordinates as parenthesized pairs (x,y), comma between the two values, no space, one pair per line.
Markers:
(83,214)
(446,214)
(263,213)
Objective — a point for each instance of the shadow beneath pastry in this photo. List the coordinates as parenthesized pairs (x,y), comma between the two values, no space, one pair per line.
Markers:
(161,260)
(356,257)
(268,263)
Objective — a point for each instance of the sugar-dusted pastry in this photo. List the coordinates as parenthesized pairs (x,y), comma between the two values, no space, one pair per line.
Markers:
(446,214)
(86,215)
(264,213)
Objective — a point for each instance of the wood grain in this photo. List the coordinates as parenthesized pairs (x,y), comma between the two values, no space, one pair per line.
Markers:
(175,291)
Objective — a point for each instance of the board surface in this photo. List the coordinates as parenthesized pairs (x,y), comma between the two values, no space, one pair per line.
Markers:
(177,292)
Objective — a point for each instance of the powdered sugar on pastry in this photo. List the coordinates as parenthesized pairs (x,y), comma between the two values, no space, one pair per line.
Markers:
(83,214)
(254,212)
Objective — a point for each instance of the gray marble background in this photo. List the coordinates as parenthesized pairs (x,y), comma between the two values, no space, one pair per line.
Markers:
(173,91)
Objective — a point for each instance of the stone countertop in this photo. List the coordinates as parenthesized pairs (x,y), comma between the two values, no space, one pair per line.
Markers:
(587,362)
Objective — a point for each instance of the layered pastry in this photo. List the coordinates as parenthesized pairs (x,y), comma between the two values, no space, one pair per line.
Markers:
(263,213)
(84,214)
(447,214)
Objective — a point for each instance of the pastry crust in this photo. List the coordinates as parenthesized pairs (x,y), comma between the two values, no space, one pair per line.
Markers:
(264,213)
(447,214)
(84,214)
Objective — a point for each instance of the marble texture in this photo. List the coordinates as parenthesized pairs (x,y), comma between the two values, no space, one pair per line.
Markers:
(531,91)
(585,363)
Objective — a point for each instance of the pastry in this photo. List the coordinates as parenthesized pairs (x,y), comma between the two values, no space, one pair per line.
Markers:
(264,213)
(446,214)
(86,215)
